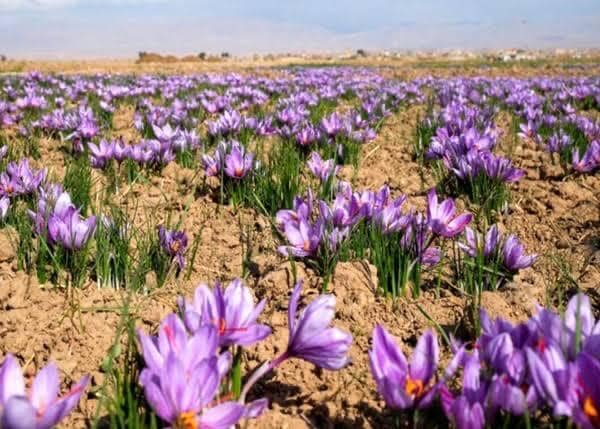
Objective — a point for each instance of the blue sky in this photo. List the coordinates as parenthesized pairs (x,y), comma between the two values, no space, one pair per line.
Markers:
(121,28)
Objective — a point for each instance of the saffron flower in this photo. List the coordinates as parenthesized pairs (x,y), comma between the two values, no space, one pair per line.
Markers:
(165,134)
(70,230)
(311,338)
(554,378)
(401,384)
(41,408)
(332,125)
(441,218)
(505,255)
(101,154)
(307,135)
(587,414)
(513,255)
(320,168)
(238,163)
(212,164)
(231,311)
(183,376)
(304,238)
(467,409)
(174,243)
(475,243)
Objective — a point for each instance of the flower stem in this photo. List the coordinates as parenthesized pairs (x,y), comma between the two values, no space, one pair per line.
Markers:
(262,370)
(236,374)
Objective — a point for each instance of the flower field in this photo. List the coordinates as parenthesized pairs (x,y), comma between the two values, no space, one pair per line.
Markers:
(300,247)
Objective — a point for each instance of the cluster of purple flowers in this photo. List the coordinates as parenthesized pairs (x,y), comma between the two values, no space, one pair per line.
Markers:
(41,407)
(308,234)
(153,152)
(230,123)
(549,118)
(465,142)
(188,363)
(548,362)
(78,126)
(20,179)
(507,254)
(294,124)
(59,220)
(231,159)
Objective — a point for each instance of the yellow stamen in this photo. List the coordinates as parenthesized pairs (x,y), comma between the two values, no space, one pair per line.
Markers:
(414,388)
(591,410)
(187,420)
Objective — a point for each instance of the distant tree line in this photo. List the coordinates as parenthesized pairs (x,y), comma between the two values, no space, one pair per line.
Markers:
(144,56)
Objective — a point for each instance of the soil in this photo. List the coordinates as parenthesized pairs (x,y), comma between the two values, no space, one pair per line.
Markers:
(557,217)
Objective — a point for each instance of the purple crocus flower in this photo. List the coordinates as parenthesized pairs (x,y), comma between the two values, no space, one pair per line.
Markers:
(510,388)
(320,168)
(346,210)
(304,238)
(172,337)
(590,159)
(389,219)
(231,311)
(528,130)
(121,151)
(183,399)
(238,163)
(165,134)
(52,201)
(500,168)
(307,135)
(475,243)
(213,164)
(579,317)
(311,338)
(513,255)
(174,243)
(101,154)
(183,376)
(70,230)
(302,209)
(587,415)
(577,326)
(332,125)
(554,378)
(162,152)
(401,384)
(9,187)
(41,408)
(140,153)
(441,219)
(558,142)
(20,178)
(468,409)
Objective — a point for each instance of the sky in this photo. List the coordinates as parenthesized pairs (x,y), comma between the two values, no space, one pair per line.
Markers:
(62,29)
